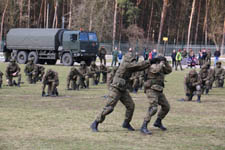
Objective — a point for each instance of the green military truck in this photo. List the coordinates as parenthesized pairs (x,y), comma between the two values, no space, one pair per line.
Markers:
(49,45)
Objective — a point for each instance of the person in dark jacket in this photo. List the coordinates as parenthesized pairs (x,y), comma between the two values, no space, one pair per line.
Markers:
(173,56)
(216,55)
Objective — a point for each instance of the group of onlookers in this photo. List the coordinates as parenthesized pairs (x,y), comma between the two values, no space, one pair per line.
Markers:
(191,59)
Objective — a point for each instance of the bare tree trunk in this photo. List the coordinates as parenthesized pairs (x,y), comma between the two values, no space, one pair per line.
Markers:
(45,16)
(21,12)
(150,22)
(70,14)
(91,16)
(163,16)
(28,14)
(205,26)
(223,40)
(40,14)
(3,17)
(103,19)
(55,14)
(196,32)
(121,26)
(114,24)
(190,23)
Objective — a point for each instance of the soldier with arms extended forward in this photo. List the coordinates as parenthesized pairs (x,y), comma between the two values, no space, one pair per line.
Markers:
(118,91)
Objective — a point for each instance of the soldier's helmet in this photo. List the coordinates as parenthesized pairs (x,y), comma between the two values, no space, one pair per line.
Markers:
(82,63)
(50,72)
(13,60)
(193,73)
(218,63)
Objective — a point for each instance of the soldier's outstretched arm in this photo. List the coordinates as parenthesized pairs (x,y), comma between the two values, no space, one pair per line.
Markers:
(138,66)
(167,68)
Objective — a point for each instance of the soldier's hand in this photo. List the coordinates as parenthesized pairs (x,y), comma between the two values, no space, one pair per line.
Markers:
(43,94)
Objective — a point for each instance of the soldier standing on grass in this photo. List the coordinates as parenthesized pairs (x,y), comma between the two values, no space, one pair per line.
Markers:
(13,70)
(118,91)
(102,53)
(1,74)
(154,90)
(51,79)
(219,75)
(205,77)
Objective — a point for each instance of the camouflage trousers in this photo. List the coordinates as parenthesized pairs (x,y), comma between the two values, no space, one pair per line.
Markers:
(156,98)
(32,78)
(190,92)
(205,85)
(51,87)
(95,78)
(10,79)
(104,77)
(72,82)
(114,96)
(219,81)
(83,82)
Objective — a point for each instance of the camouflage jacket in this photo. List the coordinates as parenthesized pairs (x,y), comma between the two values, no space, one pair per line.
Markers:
(125,70)
(219,72)
(30,68)
(12,68)
(51,78)
(156,76)
(192,81)
(84,71)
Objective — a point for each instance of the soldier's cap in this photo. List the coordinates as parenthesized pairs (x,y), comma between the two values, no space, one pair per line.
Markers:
(193,72)
(218,63)
(82,63)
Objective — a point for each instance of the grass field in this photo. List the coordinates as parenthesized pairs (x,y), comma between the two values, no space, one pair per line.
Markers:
(31,122)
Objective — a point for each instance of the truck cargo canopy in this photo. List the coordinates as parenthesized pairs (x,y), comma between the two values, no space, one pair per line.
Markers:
(33,39)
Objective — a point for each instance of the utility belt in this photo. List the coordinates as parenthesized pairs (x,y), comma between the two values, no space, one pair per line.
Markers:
(156,85)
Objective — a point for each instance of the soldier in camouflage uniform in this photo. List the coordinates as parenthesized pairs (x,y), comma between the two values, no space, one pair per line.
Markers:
(134,79)
(205,77)
(83,81)
(118,91)
(192,83)
(41,72)
(219,75)
(1,74)
(103,71)
(51,79)
(110,75)
(94,73)
(72,77)
(102,52)
(31,71)
(13,70)
(154,90)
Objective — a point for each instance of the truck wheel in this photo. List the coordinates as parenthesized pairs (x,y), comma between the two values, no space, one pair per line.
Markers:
(67,59)
(51,62)
(33,55)
(22,57)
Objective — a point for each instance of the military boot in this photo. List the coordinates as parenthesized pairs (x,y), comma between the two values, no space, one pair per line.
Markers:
(144,128)
(94,126)
(158,123)
(127,125)
(199,99)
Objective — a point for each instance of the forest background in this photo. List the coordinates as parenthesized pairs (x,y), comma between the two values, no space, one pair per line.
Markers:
(143,21)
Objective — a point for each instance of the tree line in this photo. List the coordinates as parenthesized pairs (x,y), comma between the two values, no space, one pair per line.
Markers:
(143,21)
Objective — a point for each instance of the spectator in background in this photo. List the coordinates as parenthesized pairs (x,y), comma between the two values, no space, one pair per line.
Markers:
(209,55)
(204,55)
(178,59)
(150,55)
(114,56)
(173,56)
(137,56)
(200,58)
(145,54)
(154,53)
(120,57)
(216,55)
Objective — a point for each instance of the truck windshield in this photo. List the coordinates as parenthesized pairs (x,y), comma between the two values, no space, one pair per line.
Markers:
(92,37)
(83,36)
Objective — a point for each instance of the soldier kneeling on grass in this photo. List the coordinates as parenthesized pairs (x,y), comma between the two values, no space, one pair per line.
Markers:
(51,79)
(192,84)
(12,71)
